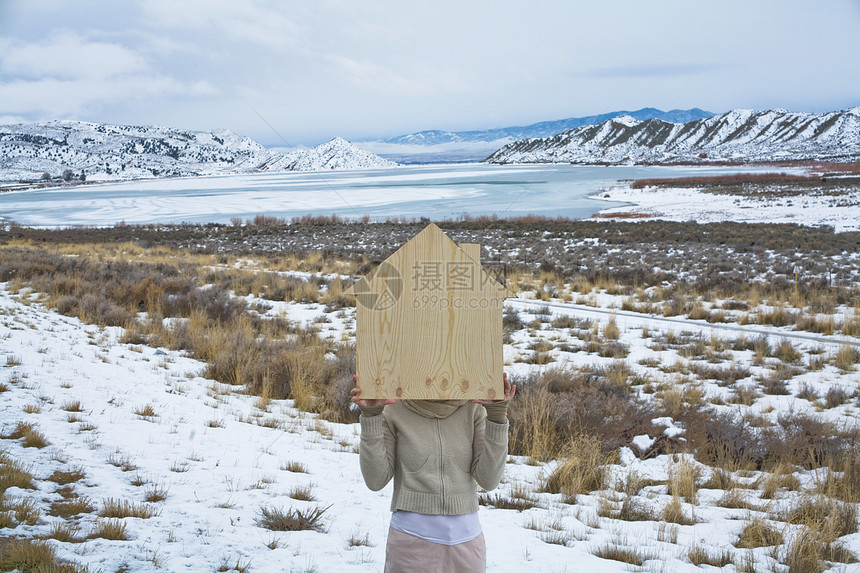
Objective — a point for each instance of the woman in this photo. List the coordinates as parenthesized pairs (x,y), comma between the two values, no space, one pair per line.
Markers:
(436,451)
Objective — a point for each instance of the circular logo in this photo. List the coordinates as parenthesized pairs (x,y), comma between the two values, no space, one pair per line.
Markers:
(380,289)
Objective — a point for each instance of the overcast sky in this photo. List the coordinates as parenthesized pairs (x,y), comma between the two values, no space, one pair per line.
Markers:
(367,69)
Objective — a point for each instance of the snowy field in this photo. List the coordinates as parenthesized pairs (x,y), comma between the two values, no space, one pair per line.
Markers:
(139,422)
(842,213)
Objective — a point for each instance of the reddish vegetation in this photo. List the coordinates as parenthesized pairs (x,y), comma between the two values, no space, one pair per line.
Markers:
(733,179)
(829,167)
(621,216)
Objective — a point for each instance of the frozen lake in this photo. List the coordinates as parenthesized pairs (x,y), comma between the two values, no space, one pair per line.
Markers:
(436,192)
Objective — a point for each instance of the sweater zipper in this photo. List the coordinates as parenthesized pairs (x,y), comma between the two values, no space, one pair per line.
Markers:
(441,463)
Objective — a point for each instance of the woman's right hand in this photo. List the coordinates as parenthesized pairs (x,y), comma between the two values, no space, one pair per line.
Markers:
(363,403)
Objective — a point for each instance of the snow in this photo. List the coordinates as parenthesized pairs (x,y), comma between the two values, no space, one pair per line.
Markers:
(219,454)
(842,212)
(115,152)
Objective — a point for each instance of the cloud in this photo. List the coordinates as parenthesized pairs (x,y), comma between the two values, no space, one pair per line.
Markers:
(652,70)
(419,80)
(69,74)
(69,56)
(260,23)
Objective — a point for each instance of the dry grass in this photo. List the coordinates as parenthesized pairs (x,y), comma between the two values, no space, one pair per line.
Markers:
(67,508)
(73,406)
(846,358)
(146,412)
(155,493)
(63,477)
(14,474)
(581,470)
(302,493)
(500,501)
(33,556)
(32,438)
(294,466)
(536,436)
(110,529)
(65,532)
(120,509)
(673,512)
(632,555)
(683,480)
(832,519)
(699,555)
(758,533)
(276,519)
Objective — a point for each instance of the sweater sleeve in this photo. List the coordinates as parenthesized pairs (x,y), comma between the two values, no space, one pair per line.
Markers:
(489,451)
(376,451)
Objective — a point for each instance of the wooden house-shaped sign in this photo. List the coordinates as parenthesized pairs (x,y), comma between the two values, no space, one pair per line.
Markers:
(429,323)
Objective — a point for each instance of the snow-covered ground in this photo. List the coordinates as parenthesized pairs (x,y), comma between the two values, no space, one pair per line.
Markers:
(148,422)
(840,212)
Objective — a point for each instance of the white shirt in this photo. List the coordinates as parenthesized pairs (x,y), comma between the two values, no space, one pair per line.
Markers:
(442,529)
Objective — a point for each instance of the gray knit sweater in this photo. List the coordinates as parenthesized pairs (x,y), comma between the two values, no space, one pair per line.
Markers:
(435,462)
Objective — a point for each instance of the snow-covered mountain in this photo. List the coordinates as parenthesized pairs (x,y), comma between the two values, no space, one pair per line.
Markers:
(113,152)
(440,146)
(739,135)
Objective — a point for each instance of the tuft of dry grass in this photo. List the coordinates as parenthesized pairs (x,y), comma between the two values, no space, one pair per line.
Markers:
(294,466)
(780,477)
(683,480)
(538,436)
(32,556)
(120,509)
(73,406)
(117,459)
(846,357)
(63,477)
(302,493)
(632,555)
(110,529)
(699,555)
(500,501)
(673,512)
(582,469)
(155,493)
(276,519)
(758,533)
(146,412)
(70,507)
(65,532)
(610,329)
(14,474)
(832,519)
(32,438)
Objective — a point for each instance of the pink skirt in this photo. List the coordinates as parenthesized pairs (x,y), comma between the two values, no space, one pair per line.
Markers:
(406,553)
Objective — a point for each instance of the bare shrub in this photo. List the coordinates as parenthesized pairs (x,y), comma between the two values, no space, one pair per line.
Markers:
(276,519)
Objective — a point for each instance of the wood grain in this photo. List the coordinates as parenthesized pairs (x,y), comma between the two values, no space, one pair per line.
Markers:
(441,336)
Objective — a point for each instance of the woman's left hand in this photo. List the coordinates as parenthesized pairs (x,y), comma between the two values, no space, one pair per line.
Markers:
(510,391)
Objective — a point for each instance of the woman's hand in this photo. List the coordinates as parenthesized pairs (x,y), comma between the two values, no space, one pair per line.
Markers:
(362,403)
(510,391)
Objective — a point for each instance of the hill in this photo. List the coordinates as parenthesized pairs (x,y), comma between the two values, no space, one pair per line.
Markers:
(436,146)
(95,151)
(740,135)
